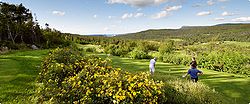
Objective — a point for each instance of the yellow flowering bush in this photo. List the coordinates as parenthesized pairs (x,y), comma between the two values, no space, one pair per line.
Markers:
(69,77)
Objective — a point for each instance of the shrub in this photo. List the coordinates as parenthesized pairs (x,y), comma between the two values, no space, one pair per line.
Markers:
(90,49)
(167,47)
(139,54)
(187,92)
(69,77)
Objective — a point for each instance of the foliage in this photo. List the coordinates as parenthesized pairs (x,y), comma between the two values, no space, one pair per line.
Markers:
(231,62)
(183,92)
(218,57)
(55,38)
(120,47)
(139,54)
(90,49)
(176,58)
(17,26)
(69,77)
(166,47)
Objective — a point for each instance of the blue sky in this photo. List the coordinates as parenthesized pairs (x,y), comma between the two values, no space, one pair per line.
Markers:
(126,16)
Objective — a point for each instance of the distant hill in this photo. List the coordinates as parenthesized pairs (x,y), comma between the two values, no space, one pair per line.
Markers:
(227,32)
(230,24)
(191,27)
(105,35)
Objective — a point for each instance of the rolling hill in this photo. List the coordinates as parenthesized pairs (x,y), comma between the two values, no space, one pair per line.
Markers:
(220,32)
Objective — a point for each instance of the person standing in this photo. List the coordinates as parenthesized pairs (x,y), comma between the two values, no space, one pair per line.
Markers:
(193,72)
(152,65)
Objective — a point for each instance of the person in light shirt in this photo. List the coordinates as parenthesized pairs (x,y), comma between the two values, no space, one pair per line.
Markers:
(152,65)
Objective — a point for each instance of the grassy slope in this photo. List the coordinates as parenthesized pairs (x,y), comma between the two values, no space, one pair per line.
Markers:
(234,87)
(18,72)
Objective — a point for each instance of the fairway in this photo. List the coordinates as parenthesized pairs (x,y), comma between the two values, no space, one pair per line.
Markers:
(233,87)
(18,72)
(20,69)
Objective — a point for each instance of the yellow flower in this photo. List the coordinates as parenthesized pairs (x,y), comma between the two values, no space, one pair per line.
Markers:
(134,93)
(79,82)
(149,94)
(110,94)
(139,85)
(120,84)
(159,91)
(132,84)
(129,88)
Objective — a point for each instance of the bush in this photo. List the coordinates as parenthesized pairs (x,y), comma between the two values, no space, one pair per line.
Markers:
(90,49)
(139,54)
(69,77)
(187,92)
(167,47)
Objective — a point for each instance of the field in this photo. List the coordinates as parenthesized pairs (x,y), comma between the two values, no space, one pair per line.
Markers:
(20,69)
(18,72)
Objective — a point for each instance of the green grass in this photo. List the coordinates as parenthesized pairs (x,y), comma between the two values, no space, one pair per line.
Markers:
(234,88)
(242,44)
(18,71)
(84,47)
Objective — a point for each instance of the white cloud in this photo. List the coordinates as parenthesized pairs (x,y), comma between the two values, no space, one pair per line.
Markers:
(110,17)
(241,19)
(160,15)
(210,2)
(131,15)
(219,19)
(204,13)
(159,1)
(222,0)
(95,16)
(127,15)
(106,29)
(113,26)
(60,13)
(227,14)
(137,3)
(166,12)
(137,15)
(173,8)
